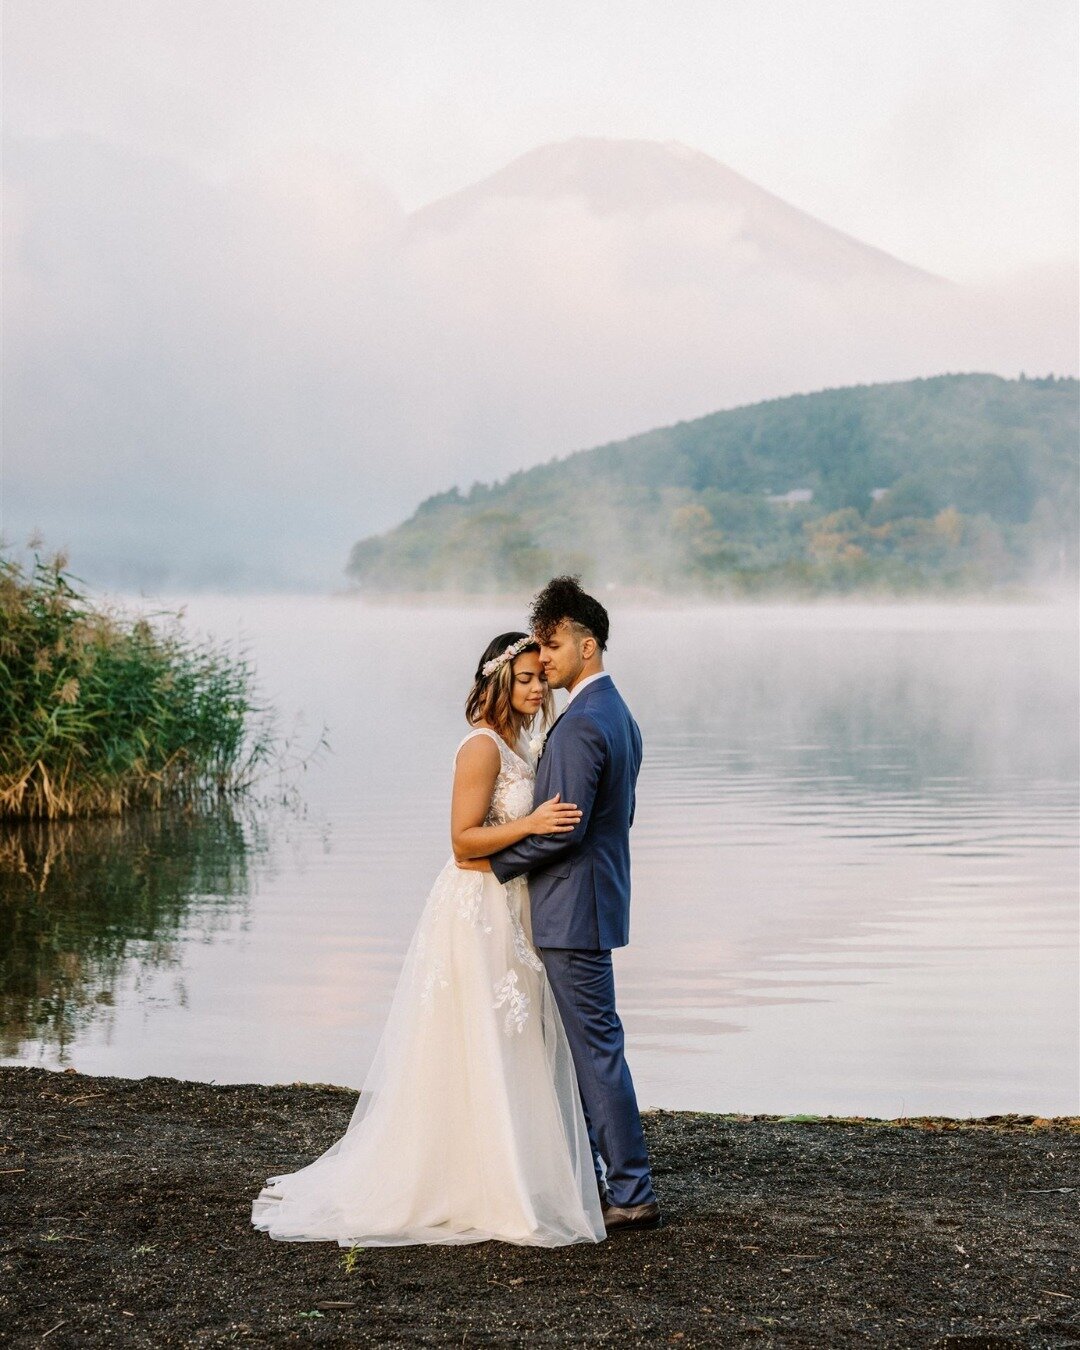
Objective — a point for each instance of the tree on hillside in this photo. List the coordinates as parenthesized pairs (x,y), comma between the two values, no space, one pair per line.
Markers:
(841,451)
(911,495)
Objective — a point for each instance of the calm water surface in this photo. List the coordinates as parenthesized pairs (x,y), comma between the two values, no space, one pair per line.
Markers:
(855,862)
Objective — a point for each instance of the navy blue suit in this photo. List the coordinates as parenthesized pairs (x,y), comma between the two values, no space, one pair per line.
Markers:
(579,894)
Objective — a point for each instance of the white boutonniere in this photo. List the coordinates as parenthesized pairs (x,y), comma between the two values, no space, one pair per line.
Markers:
(536,745)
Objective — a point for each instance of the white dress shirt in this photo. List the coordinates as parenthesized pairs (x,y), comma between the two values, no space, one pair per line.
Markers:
(581,685)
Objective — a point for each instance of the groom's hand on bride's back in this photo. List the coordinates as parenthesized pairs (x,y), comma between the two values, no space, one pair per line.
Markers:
(473,864)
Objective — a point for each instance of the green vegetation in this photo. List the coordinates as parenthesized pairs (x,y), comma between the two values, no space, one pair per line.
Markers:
(80,900)
(99,713)
(953,483)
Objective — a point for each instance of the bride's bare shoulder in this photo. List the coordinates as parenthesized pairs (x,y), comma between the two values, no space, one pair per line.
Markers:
(479,751)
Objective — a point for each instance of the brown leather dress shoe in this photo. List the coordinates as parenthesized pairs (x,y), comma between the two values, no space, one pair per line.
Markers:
(617,1218)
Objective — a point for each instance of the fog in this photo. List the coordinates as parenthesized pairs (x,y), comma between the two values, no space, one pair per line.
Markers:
(231,353)
(854,859)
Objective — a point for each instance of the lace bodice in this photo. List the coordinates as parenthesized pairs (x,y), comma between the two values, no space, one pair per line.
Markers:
(512,796)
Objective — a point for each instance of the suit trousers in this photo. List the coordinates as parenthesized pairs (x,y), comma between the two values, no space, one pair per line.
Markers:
(583,983)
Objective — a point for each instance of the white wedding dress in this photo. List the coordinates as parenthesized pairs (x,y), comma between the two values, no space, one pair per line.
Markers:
(469,1125)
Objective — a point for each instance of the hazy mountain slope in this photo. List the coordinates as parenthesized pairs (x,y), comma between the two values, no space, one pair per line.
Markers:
(957,479)
(638,179)
(223,382)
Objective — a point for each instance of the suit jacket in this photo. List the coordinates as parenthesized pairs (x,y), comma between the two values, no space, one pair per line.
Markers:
(579,882)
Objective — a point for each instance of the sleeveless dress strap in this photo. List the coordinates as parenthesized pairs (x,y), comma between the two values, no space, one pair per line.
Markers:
(483,731)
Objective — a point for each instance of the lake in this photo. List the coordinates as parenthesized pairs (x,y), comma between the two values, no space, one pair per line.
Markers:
(855,861)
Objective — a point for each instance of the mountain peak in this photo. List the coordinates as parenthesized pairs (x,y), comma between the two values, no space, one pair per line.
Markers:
(610,175)
(636,179)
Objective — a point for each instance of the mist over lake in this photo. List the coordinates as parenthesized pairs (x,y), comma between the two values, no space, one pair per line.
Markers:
(855,861)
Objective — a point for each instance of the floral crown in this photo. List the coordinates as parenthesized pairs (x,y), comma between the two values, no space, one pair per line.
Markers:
(508,654)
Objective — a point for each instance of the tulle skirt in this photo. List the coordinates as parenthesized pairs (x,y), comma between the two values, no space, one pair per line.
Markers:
(469,1125)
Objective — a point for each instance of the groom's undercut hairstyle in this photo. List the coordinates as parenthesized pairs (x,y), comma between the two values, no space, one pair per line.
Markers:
(563,598)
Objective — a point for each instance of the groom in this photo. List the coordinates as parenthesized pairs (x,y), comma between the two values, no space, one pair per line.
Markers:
(579,884)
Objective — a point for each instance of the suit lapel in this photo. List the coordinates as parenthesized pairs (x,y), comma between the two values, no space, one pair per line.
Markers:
(547,735)
(599,684)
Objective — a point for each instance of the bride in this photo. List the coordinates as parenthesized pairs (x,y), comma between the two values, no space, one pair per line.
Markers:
(469,1125)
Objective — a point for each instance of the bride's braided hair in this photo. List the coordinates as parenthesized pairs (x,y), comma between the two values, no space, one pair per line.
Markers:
(489,698)
(563,598)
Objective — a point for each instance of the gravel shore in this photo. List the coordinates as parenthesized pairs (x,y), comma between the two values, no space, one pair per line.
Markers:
(125,1222)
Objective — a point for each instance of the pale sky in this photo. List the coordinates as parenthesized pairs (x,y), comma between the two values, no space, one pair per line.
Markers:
(943,131)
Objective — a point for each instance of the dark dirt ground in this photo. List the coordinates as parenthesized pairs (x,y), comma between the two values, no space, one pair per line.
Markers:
(125,1217)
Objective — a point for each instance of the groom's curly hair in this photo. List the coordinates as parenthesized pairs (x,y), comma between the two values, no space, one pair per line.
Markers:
(563,598)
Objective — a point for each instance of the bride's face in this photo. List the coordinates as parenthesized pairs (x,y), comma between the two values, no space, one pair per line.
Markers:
(527,684)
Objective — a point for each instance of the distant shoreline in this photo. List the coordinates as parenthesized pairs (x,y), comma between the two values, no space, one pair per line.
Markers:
(1009,1120)
(636,598)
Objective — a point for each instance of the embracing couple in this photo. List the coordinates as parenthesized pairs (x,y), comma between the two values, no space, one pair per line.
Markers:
(499,1104)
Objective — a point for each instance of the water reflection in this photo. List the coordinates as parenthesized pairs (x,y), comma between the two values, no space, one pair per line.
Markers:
(84,902)
(855,862)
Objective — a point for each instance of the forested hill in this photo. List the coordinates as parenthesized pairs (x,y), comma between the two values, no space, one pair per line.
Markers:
(954,482)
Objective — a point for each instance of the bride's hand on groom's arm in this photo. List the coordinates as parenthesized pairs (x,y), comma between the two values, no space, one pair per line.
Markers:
(549,818)
(553,817)
(577,765)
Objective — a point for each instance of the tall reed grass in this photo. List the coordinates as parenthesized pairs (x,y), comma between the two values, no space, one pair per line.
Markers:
(101,712)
